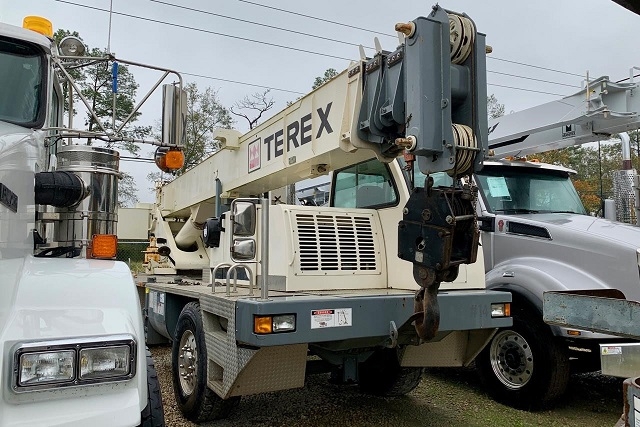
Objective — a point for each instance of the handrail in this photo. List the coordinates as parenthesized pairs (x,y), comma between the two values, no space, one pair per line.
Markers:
(212,277)
(233,269)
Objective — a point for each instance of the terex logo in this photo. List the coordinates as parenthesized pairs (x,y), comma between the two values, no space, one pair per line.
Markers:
(298,133)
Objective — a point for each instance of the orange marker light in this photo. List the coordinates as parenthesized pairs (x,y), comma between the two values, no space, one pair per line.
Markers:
(262,324)
(104,246)
(39,25)
(169,159)
(174,159)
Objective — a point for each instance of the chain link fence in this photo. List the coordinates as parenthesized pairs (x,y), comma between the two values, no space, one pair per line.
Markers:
(132,252)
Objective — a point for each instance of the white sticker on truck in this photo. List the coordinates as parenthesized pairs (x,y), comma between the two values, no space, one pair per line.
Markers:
(331,318)
(498,187)
(611,349)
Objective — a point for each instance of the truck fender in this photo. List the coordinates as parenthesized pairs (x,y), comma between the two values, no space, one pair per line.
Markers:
(529,278)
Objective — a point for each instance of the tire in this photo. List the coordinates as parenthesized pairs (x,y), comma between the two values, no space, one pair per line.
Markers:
(525,366)
(197,402)
(153,413)
(382,375)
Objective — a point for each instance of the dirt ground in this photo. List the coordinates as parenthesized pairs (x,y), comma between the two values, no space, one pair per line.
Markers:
(445,397)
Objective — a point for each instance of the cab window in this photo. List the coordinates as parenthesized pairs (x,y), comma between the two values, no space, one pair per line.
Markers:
(365,185)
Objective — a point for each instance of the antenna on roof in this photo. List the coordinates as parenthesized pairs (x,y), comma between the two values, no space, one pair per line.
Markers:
(109,37)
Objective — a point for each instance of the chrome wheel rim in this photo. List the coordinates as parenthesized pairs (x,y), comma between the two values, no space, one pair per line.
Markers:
(511,359)
(188,362)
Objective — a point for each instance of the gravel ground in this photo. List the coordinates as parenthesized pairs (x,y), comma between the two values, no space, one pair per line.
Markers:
(446,397)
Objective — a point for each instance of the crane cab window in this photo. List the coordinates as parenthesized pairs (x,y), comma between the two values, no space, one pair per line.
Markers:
(365,185)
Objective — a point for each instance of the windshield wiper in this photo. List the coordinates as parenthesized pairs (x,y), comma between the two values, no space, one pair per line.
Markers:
(571,212)
(517,210)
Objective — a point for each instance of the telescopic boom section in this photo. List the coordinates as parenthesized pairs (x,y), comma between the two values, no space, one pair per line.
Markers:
(427,99)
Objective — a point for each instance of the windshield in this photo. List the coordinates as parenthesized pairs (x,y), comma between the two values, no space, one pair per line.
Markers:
(22,83)
(514,190)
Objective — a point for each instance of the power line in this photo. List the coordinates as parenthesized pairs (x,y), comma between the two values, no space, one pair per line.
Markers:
(242,83)
(342,24)
(534,66)
(322,37)
(316,18)
(524,89)
(269,44)
(531,78)
(205,31)
(257,23)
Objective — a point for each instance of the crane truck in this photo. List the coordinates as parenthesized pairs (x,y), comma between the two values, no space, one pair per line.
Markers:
(537,238)
(72,348)
(254,293)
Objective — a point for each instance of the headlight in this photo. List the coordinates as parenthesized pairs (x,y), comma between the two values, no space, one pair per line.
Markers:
(46,367)
(104,362)
(501,310)
(52,364)
(272,324)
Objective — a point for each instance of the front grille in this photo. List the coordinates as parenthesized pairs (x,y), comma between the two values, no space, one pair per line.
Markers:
(340,242)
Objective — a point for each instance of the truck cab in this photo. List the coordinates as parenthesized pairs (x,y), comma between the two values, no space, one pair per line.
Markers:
(537,237)
(72,348)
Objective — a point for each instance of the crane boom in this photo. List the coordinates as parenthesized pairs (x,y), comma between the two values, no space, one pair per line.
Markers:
(603,108)
(310,137)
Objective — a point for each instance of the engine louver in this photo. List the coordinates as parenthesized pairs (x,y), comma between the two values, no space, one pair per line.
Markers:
(528,230)
(339,242)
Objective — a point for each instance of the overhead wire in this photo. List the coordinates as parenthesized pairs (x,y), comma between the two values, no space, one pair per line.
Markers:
(293,48)
(242,83)
(534,66)
(206,12)
(342,24)
(531,78)
(316,18)
(528,90)
(172,24)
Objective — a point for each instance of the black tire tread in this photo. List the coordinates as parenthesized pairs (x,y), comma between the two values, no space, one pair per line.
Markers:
(153,413)
(204,404)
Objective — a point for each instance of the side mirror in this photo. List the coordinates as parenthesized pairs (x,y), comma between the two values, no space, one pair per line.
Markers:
(174,115)
(243,249)
(244,219)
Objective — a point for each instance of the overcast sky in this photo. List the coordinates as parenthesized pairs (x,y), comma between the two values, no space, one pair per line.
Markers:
(571,36)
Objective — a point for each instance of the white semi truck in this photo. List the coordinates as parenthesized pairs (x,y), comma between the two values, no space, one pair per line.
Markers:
(72,348)
(354,287)
(537,237)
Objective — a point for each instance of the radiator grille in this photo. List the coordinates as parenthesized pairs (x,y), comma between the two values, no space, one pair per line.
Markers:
(337,242)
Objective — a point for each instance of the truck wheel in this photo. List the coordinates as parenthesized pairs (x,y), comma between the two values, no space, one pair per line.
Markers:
(153,414)
(197,402)
(382,375)
(525,366)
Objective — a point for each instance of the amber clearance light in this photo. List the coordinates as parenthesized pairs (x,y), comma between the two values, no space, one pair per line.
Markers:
(104,246)
(39,25)
(169,160)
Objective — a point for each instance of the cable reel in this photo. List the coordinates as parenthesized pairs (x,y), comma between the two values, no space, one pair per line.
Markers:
(462,33)
(466,148)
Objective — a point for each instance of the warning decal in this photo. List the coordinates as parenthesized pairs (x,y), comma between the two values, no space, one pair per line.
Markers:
(612,349)
(331,318)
